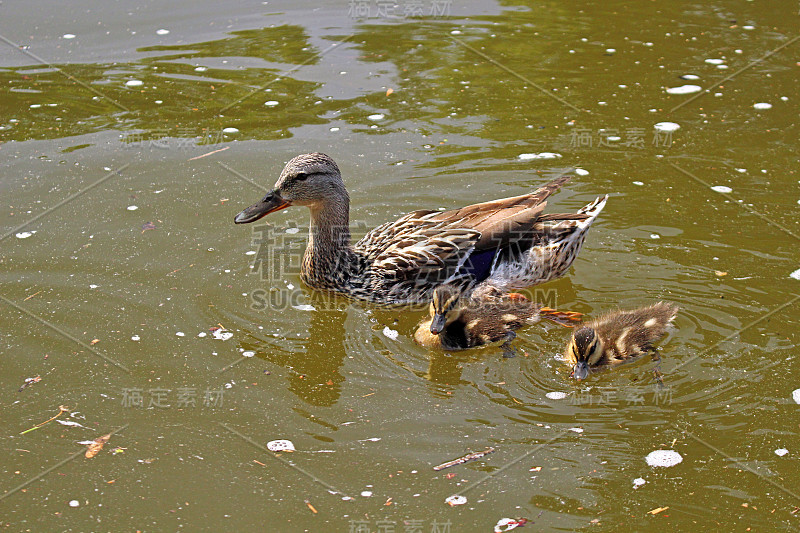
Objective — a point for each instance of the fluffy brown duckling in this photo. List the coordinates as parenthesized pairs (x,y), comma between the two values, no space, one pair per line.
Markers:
(457,323)
(618,337)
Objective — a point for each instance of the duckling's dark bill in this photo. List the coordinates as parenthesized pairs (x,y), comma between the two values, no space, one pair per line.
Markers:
(269,204)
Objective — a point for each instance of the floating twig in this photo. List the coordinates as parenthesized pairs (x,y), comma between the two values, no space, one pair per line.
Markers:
(61,409)
(463,459)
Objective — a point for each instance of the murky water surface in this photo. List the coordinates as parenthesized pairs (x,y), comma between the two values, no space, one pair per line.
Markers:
(146,312)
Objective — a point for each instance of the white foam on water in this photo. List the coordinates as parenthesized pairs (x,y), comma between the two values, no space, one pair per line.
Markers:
(639,183)
(162,31)
(721,188)
(684,89)
(542,155)
(304,307)
(666,126)
(780,452)
(581,172)
(377,116)
(762,105)
(715,61)
(663,458)
(292,231)
(795,275)
(134,83)
(638,482)
(796,395)
(132,208)
(248,353)
(455,499)
(557,395)
(392,334)
(230,130)
(690,77)
(200,69)
(24,234)
(271,103)
(68,36)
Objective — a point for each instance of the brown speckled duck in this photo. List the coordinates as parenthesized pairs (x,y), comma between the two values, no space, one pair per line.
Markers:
(457,323)
(618,337)
(509,243)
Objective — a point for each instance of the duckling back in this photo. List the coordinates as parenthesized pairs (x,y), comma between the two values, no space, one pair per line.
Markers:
(627,334)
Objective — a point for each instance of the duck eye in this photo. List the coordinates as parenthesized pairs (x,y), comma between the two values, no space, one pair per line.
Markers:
(301,176)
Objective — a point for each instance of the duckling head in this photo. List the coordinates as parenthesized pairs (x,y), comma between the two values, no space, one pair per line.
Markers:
(445,307)
(584,351)
(312,180)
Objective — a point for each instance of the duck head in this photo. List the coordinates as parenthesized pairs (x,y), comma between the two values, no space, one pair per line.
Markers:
(445,307)
(312,180)
(584,351)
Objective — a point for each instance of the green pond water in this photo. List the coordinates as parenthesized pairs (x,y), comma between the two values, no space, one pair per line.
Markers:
(119,259)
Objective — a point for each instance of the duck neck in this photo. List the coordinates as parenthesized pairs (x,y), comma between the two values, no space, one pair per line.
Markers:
(328,239)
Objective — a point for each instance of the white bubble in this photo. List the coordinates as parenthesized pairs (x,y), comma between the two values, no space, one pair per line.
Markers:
(684,89)
(162,32)
(134,83)
(74,503)
(281,445)
(581,172)
(762,105)
(663,458)
(715,61)
(230,130)
(132,208)
(135,338)
(68,36)
(542,155)
(271,103)
(666,126)
(455,499)
(248,353)
(376,116)
(721,188)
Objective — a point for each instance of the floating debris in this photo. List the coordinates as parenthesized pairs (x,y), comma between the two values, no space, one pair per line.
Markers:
(377,116)
(230,130)
(304,307)
(271,103)
(780,452)
(221,334)
(690,77)
(610,50)
(576,430)
(684,89)
(392,334)
(556,395)
(657,510)
(30,381)
(134,83)
(24,234)
(507,524)
(639,183)
(71,423)
(638,482)
(715,61)
(68,36)
(666,126)
(795,275)
(135,337)
(281,445)
(796,395)
(464,458)
(581,172)
(722,189)
(132,208)
(543,155)
(248,353)
(663,458)
(180,334)
(292,231)
(96,445)
(762,105)
(366,493)
(455,499)
(74,503)
(162,32)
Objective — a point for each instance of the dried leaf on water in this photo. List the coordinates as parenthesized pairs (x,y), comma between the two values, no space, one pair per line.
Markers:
(657,510)
(97,445)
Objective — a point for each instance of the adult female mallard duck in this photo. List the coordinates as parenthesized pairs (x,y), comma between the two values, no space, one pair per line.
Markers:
(618,337)
(506,243)
(457,323)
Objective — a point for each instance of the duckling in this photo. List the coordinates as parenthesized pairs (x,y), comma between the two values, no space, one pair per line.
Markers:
(618,337)
(457,323)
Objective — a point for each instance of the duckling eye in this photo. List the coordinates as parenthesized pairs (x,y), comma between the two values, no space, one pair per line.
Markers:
(302,176)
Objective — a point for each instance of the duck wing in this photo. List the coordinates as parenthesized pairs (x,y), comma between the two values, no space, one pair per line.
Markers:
(426,243)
